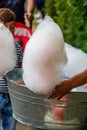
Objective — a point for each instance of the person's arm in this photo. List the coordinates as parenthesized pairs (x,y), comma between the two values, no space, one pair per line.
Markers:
(67,85)
(30,9)
(79,79)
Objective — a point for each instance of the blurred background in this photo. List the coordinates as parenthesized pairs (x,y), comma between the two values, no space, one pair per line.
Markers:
(71,16)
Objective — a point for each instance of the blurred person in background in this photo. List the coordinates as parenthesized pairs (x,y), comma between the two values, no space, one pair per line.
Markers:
(18,7)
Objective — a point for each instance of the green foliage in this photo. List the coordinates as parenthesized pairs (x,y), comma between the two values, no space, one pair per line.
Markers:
(50,8)
(71,16)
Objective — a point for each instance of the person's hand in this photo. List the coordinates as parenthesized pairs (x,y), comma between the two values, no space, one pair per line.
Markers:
(60,90)
(28,16)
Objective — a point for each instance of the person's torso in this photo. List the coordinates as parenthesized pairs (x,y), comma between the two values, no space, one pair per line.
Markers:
(17,6)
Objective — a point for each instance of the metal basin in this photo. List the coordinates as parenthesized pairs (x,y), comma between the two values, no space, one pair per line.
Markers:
(36,110)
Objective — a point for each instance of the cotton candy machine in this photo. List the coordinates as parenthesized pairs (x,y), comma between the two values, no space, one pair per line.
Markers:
(41,113)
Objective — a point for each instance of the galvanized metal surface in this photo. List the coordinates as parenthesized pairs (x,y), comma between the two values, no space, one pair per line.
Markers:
(37,111)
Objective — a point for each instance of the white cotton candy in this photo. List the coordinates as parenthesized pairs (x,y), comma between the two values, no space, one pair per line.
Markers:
(7,50)
(44,58)
(77,60)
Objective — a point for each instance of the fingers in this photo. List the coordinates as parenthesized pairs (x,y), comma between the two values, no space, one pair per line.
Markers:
(59,92)
(59,96)
(28,16)
(53,94)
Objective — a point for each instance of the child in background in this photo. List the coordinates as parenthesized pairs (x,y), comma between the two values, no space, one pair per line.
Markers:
(22,34)
(8,18)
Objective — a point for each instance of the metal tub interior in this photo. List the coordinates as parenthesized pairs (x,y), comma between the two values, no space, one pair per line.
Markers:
(37,111)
